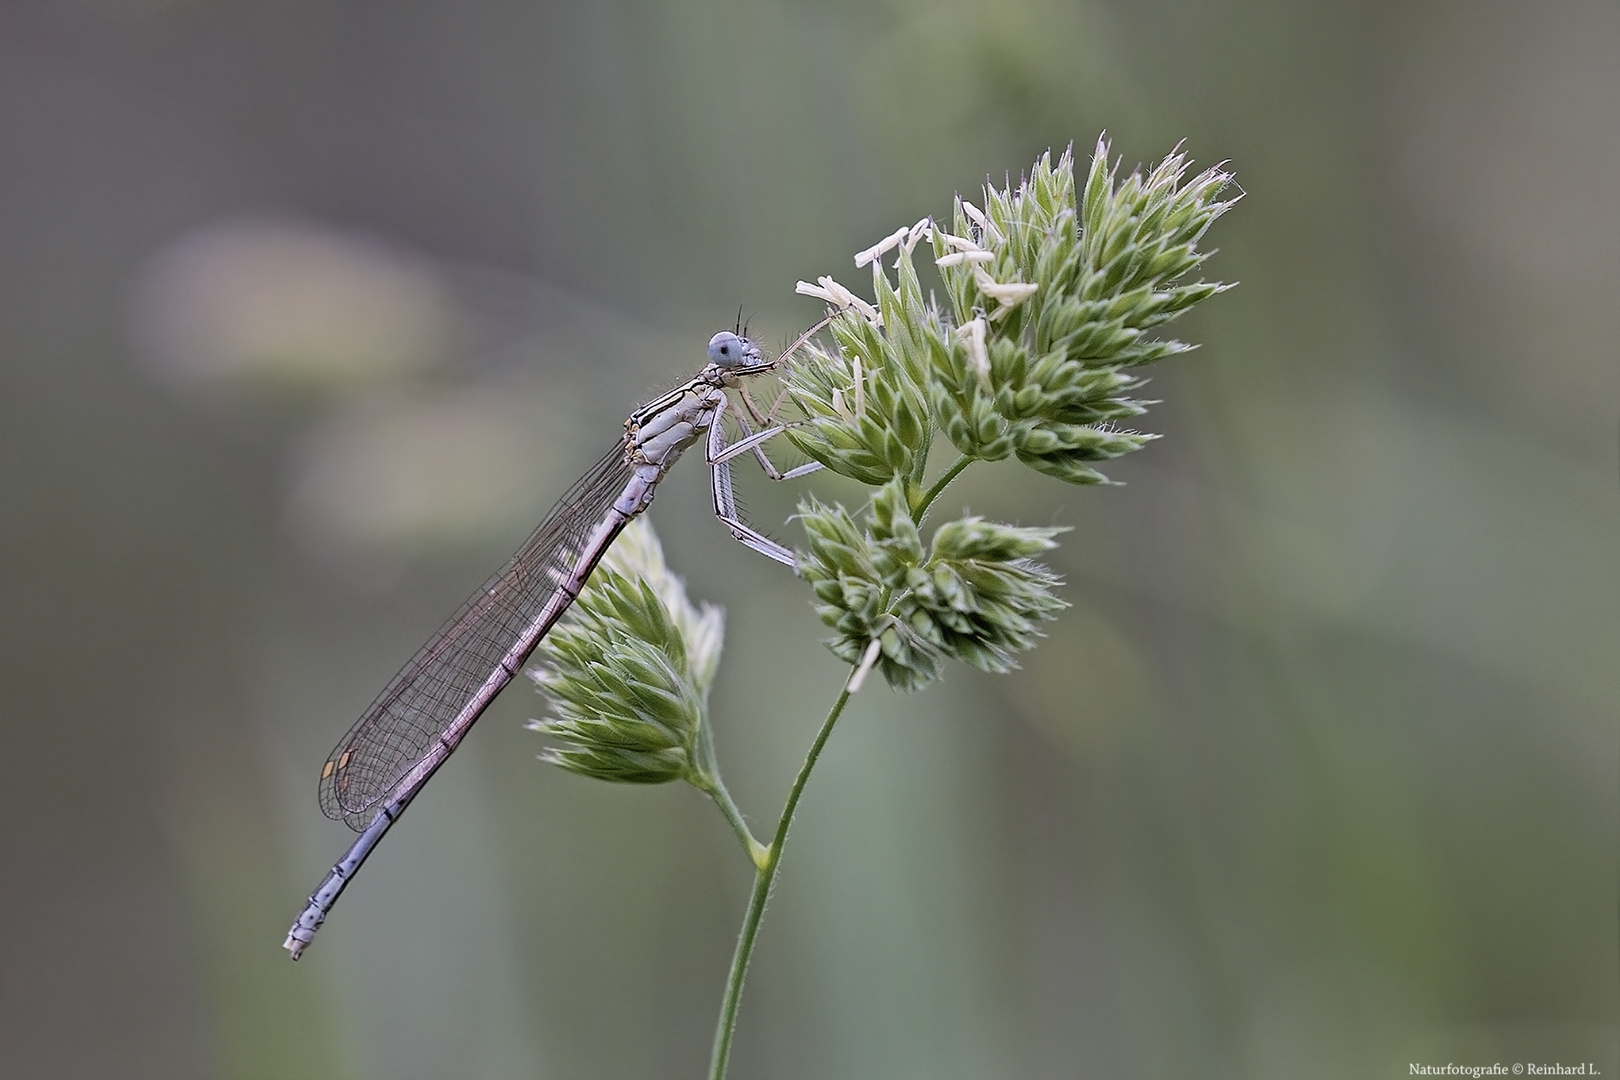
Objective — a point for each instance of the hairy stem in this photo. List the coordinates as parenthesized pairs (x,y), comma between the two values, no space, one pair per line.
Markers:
(757,852)
(939,485)
(706,778)
(764,878)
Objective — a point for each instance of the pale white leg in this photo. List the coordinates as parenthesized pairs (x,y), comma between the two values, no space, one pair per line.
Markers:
(752,442)
(763,419)
(725,500)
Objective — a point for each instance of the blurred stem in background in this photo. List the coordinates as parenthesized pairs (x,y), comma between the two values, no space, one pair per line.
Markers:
(1050,300)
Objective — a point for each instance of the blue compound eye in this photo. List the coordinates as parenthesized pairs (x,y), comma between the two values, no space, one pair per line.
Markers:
(729,350)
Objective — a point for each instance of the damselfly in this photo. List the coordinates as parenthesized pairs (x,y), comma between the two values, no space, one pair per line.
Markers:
(423,714)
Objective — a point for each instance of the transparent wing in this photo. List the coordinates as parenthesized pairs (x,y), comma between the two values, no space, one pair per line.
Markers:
(399,728)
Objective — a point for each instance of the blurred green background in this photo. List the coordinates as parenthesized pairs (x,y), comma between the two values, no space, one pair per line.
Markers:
(309,309)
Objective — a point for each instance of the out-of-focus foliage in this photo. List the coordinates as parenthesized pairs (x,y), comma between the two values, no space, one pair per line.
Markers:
(1317,777)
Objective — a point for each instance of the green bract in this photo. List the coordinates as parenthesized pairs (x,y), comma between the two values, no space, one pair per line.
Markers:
(1053,303)
(1049,308)
(628,670)
(865,416)
(1036,356)
(972,594)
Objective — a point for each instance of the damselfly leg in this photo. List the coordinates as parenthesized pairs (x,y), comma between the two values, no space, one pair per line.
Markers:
(720,453)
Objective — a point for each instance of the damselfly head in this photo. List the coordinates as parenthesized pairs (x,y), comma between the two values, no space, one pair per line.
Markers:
(735,353)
